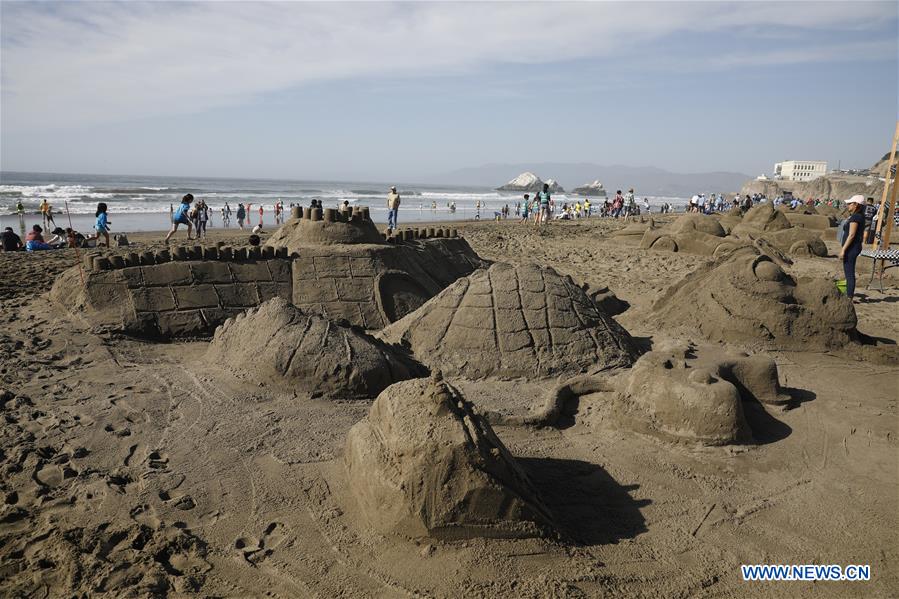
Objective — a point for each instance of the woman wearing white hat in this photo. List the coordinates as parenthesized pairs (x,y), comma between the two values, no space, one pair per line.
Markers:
(851,236)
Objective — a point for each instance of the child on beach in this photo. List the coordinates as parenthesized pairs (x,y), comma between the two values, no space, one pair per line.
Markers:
(102,224)
(180,217)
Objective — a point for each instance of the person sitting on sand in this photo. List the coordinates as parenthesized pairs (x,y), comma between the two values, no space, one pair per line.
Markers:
(180,217)
(59,239)
(257,230)
(34,241)
(10,241)
(74,239)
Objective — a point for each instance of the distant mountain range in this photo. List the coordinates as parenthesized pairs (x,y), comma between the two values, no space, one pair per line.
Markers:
(646,180)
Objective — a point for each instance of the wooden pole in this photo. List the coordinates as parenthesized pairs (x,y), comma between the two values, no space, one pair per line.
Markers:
(888,201)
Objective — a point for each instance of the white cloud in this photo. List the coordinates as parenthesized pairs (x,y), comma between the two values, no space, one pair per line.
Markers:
(82,63)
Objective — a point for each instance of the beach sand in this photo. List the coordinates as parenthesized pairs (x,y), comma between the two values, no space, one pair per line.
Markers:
(138,469)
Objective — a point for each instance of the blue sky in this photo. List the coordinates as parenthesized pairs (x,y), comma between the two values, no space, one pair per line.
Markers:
(375,91)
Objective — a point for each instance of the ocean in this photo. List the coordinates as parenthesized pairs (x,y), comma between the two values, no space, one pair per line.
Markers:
(138,203)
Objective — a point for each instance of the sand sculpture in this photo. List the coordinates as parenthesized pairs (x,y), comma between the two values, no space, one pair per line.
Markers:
(764,221)
(335,264)
(345,270)
(673,394)
(184,292)
(677,392)
(424,463)
(693,233)
(510,322)
(709,235)
(749,299)
(282,345)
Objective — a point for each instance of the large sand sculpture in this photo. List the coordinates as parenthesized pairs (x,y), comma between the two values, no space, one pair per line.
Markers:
(280,344)
(345,270)
(338,266)
(747,298)
(513,321)
(425,464)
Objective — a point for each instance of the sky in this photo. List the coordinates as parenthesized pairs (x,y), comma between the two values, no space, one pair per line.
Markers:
(406,91)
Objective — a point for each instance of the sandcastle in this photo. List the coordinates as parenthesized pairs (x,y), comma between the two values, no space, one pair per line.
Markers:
(335,264)
(513,321)
(280,344)
(748,298)
(424,463)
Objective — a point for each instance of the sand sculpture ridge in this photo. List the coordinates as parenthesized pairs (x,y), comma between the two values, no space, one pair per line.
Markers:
(513,321)
(425,464)
(279,344)
(327,226)
(747,298)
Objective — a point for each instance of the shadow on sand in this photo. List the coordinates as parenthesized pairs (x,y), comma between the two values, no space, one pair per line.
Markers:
(588,505)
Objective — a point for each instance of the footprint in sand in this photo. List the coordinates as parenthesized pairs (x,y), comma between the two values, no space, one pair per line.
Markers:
(157,460)
(256,550)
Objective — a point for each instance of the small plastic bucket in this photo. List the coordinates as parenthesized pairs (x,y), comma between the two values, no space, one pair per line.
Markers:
(841,286)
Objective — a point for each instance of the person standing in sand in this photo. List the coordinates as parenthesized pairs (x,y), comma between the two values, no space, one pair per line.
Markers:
(544,199)
(851,230)
(393,208)
(241,214)
(180,217)
(525,205)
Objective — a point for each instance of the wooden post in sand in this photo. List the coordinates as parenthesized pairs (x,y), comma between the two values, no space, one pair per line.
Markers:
(887,202)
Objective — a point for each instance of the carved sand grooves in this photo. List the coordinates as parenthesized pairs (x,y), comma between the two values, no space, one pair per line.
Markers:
(510,322)
(282,345)
(425,464)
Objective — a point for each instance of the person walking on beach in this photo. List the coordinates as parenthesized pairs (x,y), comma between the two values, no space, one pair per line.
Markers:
(180,217)
(525,205)
(43,207)
(260,214)
(102,224)
(393,208)
(241,214)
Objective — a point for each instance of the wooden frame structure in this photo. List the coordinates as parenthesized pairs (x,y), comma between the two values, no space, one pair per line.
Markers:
(887,202)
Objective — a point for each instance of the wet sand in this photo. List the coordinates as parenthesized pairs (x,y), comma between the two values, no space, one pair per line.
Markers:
(133,468)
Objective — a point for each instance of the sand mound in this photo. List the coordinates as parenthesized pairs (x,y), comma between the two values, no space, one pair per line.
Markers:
(331,226)
(697,222)
(748,299)
(281,345)
(762,217)
(510,322)
(672,393)
(423,463)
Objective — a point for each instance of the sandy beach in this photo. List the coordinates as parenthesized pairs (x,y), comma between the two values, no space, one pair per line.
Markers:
(138,468)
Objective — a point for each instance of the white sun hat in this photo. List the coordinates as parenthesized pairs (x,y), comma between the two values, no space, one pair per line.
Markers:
(856,199)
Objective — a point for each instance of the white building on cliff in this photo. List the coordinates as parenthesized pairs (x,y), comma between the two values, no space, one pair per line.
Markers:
(800,170)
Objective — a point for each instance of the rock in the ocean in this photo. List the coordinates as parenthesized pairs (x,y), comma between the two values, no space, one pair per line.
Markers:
(595,188)
(530,182)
